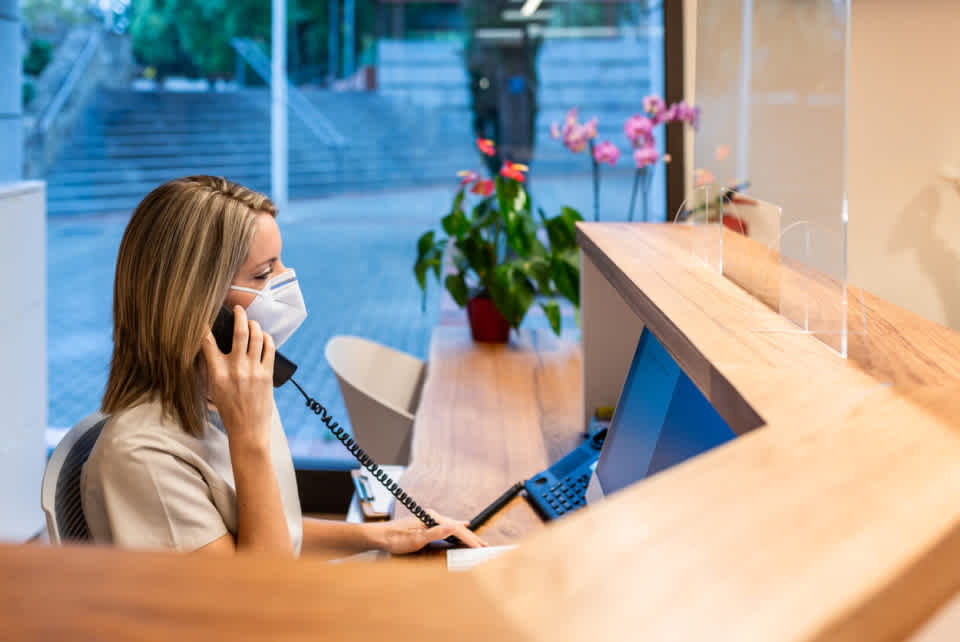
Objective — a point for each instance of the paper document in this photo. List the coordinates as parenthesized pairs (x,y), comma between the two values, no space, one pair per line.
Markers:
(462,559)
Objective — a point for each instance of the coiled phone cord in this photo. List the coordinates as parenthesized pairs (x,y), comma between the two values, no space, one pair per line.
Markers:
(367,461)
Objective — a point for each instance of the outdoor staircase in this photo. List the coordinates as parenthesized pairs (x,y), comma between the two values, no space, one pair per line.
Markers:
(130,141)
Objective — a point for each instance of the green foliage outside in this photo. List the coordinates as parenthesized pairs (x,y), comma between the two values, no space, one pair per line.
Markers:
(38,57)
(29,91)
(192,37)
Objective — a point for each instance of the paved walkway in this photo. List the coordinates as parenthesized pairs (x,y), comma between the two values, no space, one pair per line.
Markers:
(353,254)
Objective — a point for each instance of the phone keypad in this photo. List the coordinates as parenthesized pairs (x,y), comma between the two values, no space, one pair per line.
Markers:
(567,494)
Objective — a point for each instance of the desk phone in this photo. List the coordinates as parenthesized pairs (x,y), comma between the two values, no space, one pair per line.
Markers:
(563,487)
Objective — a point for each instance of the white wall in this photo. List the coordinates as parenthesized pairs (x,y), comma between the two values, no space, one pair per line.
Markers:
(904,241)
(23,344)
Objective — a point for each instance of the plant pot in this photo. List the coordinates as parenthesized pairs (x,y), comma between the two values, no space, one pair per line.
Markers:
(487,325)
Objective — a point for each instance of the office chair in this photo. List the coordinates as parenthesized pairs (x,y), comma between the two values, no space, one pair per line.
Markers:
(60,491)
(381,389)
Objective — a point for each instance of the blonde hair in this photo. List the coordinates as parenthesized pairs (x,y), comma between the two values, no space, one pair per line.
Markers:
(181,249)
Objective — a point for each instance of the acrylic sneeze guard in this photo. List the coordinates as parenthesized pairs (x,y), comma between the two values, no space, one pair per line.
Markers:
(771,82)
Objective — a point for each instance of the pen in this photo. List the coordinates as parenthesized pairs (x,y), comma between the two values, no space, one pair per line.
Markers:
(495,507)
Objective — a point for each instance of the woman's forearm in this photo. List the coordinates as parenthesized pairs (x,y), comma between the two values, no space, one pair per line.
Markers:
(261,521)
(334,537)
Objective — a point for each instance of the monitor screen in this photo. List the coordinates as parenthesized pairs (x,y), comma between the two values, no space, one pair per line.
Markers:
(661,419)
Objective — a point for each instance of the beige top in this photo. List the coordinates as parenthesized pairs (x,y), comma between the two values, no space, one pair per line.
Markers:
(150,485)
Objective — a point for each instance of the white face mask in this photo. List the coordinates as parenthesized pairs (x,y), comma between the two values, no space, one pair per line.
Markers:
(278,307)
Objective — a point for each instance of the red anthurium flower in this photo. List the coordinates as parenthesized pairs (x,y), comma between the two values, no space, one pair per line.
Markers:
(514,171)
(467,176)
(736,224)
(484,187)
(485,145)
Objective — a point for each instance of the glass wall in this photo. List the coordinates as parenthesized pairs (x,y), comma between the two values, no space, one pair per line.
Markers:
(387,101)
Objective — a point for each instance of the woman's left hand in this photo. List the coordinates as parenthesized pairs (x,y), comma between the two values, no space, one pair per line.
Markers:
(409,534)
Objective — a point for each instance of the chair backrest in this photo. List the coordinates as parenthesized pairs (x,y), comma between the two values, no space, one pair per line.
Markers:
(381,389)
(60,492)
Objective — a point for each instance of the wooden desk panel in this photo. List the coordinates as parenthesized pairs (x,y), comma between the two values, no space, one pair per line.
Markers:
(490,416)
(86,593)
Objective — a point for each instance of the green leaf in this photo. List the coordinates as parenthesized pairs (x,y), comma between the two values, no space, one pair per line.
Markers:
(512,293)
(571,214)
(538,269)
(561,235)
(506,191)
(437,264)
(420,270)
(479,254)
(458,201)
(457,287)
(552,310)
(425,243)
(484,214)
(456,224)
(565,271)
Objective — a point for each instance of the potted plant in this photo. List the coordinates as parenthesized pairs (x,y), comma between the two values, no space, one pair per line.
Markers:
(503,259)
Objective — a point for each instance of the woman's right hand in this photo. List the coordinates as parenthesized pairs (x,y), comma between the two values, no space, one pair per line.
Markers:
(241,382)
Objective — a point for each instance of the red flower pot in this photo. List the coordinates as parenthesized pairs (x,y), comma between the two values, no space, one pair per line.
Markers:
(487,325)
(736,224)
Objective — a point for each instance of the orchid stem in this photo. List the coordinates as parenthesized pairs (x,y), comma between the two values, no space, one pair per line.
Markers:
(596,184)
(633,195)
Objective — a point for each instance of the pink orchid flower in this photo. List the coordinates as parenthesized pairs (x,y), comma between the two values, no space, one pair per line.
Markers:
(467,176)
(688,113)
(555,131)
(606,152)
(484,187)
(575,138)
(653,105)
(644,156)
(514,171)
(638,128)
(590,128)
(668,115)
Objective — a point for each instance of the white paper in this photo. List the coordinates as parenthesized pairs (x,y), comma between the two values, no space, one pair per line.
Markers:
(462,559)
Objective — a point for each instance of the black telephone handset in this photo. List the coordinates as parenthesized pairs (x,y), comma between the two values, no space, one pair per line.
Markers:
(283,370)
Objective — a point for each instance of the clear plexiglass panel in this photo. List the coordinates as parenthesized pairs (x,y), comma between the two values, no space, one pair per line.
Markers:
(785,264)
(771,83)
(702,213)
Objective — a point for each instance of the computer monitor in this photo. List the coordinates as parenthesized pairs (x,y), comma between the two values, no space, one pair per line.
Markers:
(661,419)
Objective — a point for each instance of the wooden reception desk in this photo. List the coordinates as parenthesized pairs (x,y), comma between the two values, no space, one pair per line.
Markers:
(833,516)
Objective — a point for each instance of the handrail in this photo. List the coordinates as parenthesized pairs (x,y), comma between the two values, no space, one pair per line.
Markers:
(306,111)
(69,84)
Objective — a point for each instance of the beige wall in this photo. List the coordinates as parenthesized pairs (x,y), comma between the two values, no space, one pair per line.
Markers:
(904,233)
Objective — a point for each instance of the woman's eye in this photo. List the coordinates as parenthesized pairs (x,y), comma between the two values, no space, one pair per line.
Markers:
(262,277)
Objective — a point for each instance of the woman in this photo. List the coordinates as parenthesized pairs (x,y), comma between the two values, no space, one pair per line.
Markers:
(194,456)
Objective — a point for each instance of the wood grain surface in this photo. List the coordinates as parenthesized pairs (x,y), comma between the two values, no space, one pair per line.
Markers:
(490,416)
(86,593)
